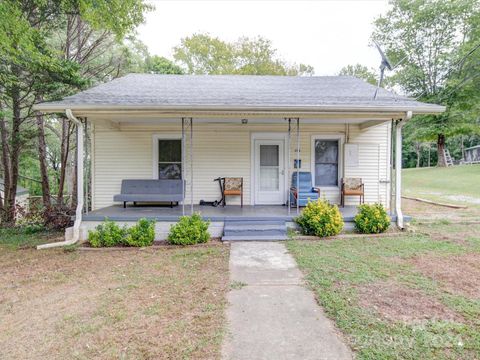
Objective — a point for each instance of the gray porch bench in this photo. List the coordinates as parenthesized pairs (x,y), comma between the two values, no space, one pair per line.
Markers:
(150,191)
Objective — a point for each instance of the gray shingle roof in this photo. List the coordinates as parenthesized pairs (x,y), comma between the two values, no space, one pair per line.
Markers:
(236,91)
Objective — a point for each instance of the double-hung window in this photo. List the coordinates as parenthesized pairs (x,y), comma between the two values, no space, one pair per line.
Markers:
(169,163)
(326,161)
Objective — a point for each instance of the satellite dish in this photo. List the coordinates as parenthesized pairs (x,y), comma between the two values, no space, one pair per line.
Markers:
(385,64)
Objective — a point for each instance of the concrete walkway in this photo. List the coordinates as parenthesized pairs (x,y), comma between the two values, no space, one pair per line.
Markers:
(271,314)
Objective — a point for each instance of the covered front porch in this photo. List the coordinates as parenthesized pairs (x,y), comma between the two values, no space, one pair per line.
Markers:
(251,222)
(214,214)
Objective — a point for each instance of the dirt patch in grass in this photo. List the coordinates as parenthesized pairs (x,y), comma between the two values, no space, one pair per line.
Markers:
(147,304)
(398,303)
(430,212)
(457,274)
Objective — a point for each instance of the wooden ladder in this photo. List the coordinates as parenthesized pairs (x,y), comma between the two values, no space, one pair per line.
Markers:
(448,158)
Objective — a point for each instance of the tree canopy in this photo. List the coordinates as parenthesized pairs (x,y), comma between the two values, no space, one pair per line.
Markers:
(433,44)
(161,65)
(49,49)
(205,54)
(360,71)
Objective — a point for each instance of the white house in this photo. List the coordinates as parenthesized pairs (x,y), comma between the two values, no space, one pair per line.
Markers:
(255,127)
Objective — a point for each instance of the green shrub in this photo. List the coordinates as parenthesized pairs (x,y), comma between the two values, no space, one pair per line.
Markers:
(110,234)
(189,230)
(320,218)
(372,219)
(107,234)
(142,234)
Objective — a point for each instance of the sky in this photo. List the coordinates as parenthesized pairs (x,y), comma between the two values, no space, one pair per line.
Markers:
(325,34)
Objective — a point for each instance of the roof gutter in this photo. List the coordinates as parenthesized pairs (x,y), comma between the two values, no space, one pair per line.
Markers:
(79,209)
(52,107)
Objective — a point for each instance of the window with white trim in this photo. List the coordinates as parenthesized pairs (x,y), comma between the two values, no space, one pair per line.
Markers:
(169,158)
(326,162)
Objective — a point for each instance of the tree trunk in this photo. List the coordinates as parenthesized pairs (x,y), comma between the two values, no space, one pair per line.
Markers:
(42,157)
(5,162)
(417,147)
(441,151)
(10,181)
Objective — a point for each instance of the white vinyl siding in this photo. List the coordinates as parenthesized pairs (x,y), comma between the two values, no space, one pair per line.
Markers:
(225,150)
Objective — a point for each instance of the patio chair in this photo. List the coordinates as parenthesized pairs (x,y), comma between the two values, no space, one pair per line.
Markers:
(305,192)
(352,187)
(234,187)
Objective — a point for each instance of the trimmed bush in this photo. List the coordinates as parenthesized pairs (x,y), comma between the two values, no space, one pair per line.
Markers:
(371,219)
(320,218)
(109,234)
(189,230)
(142,234)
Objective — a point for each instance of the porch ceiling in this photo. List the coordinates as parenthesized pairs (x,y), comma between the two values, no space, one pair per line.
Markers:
(118,119)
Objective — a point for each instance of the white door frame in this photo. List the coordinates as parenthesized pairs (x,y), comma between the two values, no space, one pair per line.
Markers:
(268,136)
(155,138)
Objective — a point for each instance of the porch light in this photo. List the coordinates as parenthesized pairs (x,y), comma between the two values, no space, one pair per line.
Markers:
(244,121)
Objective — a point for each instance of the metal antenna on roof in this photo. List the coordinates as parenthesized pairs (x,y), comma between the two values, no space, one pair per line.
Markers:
(385,64)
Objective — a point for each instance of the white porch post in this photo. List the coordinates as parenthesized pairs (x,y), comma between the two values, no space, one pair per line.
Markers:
(191,166)
(298,164)
(288,163)
(183,165)
(398,169)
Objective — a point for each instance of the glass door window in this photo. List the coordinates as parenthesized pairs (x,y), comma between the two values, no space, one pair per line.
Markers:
(269,167)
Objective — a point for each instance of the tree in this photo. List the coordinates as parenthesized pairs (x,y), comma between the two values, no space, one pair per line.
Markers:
(31,70)
(28,69)
(426,38)
(161,65)
(361,72)
(204,54)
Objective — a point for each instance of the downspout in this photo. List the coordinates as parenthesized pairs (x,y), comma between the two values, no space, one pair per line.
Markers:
(79,210)
(398,168)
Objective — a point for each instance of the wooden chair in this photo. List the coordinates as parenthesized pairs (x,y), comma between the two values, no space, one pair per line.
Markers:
(352,187)
(233,186)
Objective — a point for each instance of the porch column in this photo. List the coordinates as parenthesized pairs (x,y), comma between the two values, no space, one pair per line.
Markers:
(191,166)
(183,166)
(298,164)
(288,162)
(398,168)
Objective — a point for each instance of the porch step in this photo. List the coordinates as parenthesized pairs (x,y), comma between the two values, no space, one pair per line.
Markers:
(258,230)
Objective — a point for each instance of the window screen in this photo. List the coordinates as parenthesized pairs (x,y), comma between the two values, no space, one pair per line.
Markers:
(326,162)
(169,159)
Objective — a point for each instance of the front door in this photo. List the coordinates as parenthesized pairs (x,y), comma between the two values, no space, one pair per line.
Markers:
(269,172)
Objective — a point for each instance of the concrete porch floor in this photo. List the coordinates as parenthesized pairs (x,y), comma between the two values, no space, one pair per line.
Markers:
(229,212)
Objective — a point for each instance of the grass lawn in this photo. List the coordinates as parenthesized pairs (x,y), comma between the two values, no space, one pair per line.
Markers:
(165,303)
(414,296)
(410,297)
(455,184)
